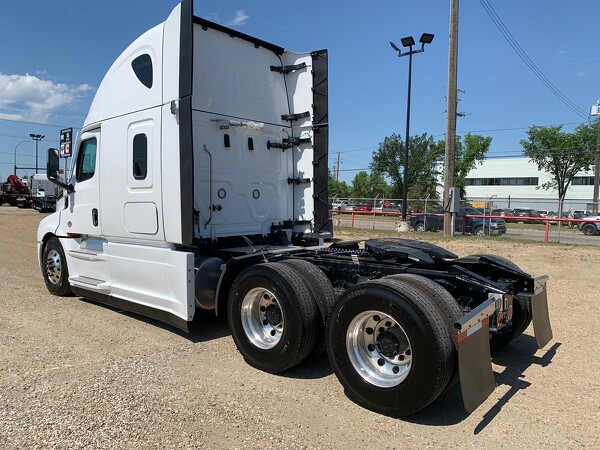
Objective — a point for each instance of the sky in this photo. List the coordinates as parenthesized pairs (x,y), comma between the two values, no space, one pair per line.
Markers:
(54,54)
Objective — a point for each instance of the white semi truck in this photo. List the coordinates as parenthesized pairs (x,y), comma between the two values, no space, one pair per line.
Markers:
(200,182)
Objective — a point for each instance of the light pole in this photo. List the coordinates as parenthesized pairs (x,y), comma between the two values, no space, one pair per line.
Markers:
(37,138)
(426,38)
(15,160)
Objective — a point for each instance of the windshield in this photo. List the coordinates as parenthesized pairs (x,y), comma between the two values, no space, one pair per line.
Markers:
(472,211)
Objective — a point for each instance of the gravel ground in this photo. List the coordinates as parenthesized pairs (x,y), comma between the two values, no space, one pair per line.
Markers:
(74,374)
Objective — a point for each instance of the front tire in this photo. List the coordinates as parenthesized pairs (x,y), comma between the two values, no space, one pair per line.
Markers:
(54,268)
(272,317)
(389,347)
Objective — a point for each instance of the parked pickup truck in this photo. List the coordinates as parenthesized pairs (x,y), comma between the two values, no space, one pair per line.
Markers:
(591,228)
(464,223)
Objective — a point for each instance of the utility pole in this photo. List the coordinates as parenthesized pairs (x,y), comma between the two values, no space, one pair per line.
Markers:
(596,113)
(596,172)
(451,115)
(337,168)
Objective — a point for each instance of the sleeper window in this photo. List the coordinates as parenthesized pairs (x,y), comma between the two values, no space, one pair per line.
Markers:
(142,66)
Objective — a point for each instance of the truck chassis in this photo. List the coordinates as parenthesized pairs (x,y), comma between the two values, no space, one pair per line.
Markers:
(401,320)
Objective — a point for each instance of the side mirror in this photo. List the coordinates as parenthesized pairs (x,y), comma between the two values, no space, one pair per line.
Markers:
(53,164)
(52,170)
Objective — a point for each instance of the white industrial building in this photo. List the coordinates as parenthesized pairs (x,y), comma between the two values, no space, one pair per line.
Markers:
(519,179)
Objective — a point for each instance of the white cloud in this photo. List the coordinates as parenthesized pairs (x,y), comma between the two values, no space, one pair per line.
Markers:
(239,17)
(36,100)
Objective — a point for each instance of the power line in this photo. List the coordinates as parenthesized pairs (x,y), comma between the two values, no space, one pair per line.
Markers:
(525,58)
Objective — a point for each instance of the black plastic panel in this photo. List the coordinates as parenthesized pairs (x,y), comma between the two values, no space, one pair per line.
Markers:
(321,141)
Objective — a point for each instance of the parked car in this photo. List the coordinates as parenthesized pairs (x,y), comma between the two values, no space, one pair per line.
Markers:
(528,214)
(503,212)
(554,215)
(545,212)
(392,209)
(340,203)
(477,226)
(591,228)
(363,207)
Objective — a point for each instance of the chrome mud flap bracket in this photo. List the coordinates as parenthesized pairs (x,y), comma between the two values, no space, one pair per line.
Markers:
(474,358)
(538,305)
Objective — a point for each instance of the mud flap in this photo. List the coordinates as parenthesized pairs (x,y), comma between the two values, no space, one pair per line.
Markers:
(539,312)
(474,358)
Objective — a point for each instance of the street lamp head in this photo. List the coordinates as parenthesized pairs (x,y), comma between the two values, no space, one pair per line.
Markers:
(426,38)
(32,136)
(408,41)
(394,46)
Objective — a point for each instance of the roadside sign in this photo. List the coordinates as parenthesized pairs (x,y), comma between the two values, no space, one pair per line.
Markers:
(66,144)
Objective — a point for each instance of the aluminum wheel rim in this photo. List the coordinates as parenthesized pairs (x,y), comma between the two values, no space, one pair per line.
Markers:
(370,354)
(262,318)
(53,266)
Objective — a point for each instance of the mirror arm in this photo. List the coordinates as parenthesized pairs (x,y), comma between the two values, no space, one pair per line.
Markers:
(65,186)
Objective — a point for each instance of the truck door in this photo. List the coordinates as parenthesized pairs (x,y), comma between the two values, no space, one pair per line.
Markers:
(82,216)
(88,265)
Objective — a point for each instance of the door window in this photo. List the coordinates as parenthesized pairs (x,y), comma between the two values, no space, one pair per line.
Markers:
(86,160)
(140,156)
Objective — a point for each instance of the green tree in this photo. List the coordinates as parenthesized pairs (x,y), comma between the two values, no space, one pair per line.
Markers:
(561,154)
(338,189)
(370,185)
(468,153)
(388,160)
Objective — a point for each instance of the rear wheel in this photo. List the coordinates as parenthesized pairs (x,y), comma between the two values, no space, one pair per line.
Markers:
(272,317)
(447,306)
(54,268)
(389,347)
(420,227)
(589,229)
(323,296)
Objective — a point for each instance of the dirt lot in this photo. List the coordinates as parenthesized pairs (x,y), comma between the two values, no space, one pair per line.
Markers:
(74,374)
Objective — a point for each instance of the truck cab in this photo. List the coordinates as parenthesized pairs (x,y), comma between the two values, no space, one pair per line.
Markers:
(182,146)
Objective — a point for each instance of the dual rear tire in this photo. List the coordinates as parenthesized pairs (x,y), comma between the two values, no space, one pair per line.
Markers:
(389,341)
(277,313)
(391,345)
